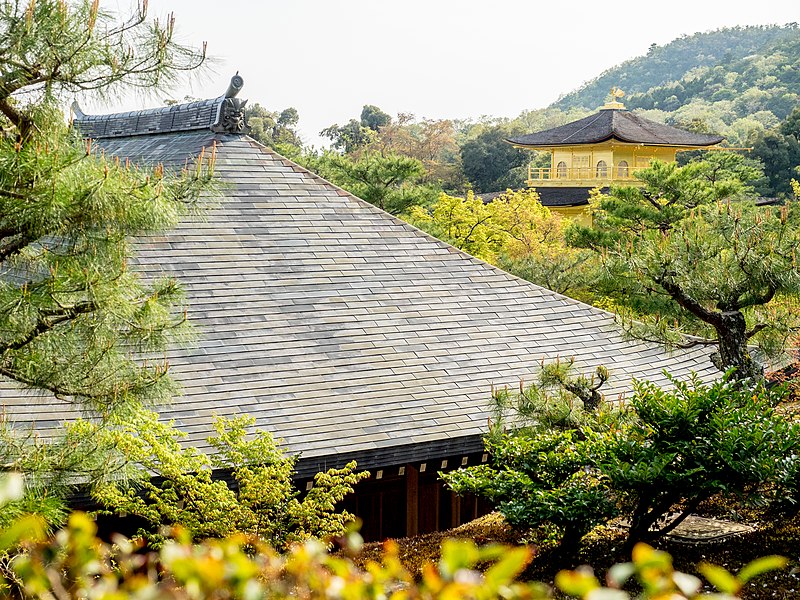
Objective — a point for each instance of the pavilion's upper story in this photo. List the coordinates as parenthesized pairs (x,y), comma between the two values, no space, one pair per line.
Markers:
(606,147)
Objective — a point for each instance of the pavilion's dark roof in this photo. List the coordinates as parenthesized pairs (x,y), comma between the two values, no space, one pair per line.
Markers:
(553,197)
(615,124)
(341,329)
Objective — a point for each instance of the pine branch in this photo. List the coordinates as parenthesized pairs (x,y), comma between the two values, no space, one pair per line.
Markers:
(10,194)
(756,328)
(50,322)
(23,124)
(690,341)
(55,390)
(687,302)
(696,341)
(649,197)
(758,299)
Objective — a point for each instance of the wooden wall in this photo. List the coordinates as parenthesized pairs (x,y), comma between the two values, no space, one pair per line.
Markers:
(410,499)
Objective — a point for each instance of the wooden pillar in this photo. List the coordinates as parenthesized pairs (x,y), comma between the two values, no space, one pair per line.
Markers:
(412,501)
(380,516)
(437,494)
(474,507)
(455,513)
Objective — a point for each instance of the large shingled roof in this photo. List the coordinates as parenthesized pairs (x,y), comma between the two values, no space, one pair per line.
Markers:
(343,330)
(617,124)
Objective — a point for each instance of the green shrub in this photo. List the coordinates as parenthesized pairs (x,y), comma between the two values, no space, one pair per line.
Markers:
(691,442)
(578,468)
(178,485)
(542,477)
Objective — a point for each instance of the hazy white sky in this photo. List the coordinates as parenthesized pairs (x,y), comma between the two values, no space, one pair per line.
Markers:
(432,58)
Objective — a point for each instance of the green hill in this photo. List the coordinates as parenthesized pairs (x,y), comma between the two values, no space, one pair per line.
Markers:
(768,80)
(668,68)
(741,83)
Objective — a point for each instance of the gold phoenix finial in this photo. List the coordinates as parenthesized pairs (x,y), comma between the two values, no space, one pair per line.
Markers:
(613,99)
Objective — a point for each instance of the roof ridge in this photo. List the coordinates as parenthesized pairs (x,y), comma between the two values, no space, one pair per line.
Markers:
(588,123)
(223,114)
(646,125)
(652,126)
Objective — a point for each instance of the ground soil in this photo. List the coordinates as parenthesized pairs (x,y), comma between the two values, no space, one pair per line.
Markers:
(775,534)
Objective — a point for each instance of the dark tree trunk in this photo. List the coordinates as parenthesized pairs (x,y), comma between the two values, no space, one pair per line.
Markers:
(639,531)
(733,351)
(567,551)
(648,510)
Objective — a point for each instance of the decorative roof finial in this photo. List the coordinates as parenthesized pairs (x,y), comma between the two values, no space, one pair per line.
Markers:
(237,83)
(230,114)
(75,110)
(613,102)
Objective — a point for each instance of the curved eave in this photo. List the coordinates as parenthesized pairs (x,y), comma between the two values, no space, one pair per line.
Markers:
(614,138)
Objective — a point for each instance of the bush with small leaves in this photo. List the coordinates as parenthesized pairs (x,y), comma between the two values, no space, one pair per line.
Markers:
(665,448)
(545,477)
(186,490)
(683,445)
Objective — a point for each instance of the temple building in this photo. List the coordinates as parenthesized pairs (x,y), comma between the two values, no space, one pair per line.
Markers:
(607,147)
(344,331)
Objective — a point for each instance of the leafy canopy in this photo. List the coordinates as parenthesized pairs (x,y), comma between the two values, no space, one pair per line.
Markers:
(557,460)
(691,251)
(177,485)
(391,182)
(490,163)
(275,129)
(514,223)
(513,231)
(691,442)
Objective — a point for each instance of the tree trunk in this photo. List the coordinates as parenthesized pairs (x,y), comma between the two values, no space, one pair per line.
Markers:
(567,551)
(733,351)
(648,510)
(639,531)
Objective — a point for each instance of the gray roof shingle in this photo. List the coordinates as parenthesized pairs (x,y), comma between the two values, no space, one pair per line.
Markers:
(341,329)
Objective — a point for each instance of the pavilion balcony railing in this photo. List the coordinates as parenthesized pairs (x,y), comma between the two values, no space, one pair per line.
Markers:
(550,174)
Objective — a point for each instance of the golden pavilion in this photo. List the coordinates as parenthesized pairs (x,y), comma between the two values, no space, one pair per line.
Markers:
(605,148)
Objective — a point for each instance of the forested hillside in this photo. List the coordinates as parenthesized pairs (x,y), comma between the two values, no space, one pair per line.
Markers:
(768,80)
(671,62)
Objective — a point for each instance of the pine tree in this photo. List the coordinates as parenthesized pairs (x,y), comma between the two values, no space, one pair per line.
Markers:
(691,251)
(73,316)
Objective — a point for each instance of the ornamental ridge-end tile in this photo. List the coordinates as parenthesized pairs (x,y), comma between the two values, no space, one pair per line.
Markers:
(225,114)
